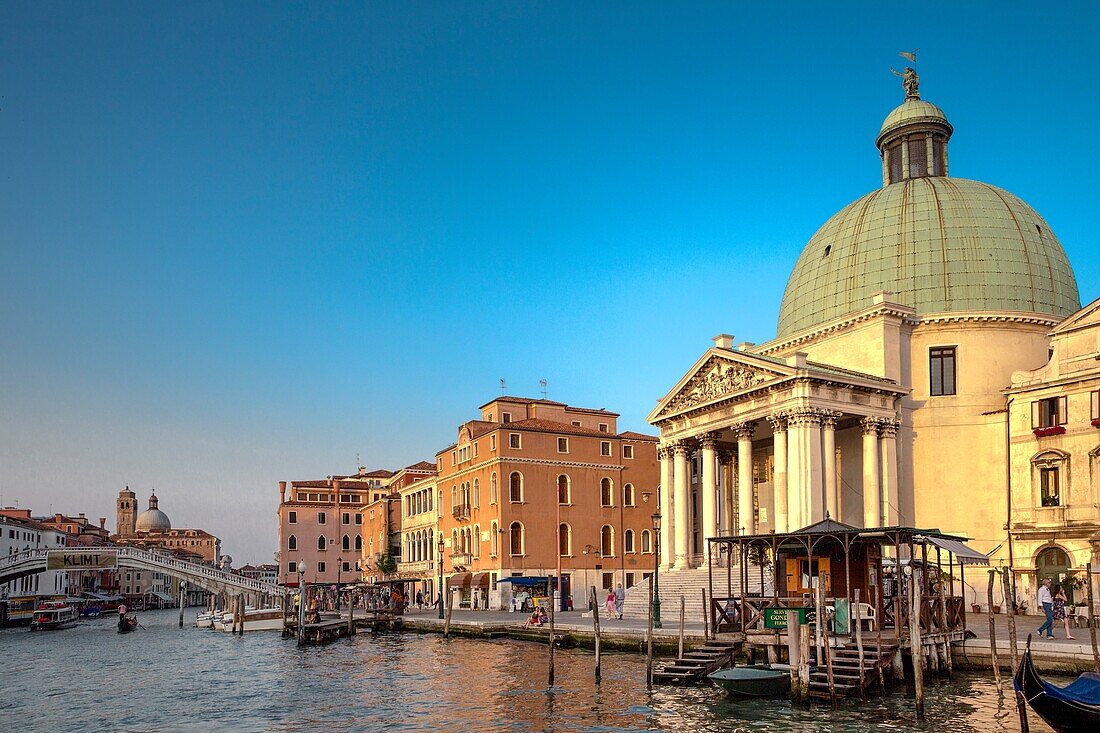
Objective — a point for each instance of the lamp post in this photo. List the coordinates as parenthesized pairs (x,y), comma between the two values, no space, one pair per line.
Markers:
(656,570)
(440,591)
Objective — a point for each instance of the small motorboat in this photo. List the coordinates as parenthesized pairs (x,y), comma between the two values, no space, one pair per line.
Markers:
(126,624)
(206,619)
(53,615)
(754,681)
(91,611)
(1074,708)
(255,619)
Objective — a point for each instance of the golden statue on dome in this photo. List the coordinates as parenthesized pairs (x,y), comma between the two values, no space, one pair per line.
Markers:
(909,79)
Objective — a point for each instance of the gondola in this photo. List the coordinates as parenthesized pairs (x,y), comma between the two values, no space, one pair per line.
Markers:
(126,624)
(1074,708)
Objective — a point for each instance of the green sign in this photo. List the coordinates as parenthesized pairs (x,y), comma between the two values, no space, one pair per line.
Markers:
(776,618)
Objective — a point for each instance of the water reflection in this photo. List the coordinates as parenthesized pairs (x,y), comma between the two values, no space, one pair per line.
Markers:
(164,678)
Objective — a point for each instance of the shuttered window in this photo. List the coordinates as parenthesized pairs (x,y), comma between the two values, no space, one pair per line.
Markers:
(1049,412)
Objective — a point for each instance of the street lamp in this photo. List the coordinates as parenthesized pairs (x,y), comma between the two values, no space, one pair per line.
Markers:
(656,569)
(440,591)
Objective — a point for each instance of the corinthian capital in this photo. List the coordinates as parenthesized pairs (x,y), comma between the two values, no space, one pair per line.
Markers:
(778,421)
(829,418)
(870,425)
(889,426)
(804,416)
(708,440)
(683,448)
(744,431)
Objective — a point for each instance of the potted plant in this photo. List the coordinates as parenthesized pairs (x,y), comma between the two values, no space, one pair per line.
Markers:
(975,608)
(996,608)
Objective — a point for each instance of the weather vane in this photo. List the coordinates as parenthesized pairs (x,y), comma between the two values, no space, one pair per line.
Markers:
(909,79)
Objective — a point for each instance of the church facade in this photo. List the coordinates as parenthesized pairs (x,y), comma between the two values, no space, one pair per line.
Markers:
(914,335)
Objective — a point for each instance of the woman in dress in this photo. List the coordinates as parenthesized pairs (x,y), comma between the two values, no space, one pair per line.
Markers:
(609,604)
(1060,600)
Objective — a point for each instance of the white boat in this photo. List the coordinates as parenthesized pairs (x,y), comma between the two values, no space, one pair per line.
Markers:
(255,619)
(56,615)
(205,620)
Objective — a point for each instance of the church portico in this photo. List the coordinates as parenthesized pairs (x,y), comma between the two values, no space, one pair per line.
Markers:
(753,444)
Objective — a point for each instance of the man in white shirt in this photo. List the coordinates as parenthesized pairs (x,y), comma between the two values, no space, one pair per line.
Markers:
(1046,602)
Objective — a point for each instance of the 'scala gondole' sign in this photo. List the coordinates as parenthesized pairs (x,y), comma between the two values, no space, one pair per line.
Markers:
(61,560)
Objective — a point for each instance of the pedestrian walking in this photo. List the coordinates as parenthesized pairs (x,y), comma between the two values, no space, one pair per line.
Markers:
(1046,602)
(609,604)
(620,599)
(420,599)
(1059,611)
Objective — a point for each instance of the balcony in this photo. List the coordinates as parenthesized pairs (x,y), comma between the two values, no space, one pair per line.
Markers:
(420,566)
(464,559)
(461,512)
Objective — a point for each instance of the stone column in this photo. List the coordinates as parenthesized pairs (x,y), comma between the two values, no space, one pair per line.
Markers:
(729,510)
(812,467)
(828,440)
(664,453)
(779,479)
(904,158)
(872,502)
(745,522)
(708,487)
(929,168)
(680,503)
(891,515)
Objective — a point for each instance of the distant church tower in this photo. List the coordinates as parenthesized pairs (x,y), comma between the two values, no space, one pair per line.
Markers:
(126,512)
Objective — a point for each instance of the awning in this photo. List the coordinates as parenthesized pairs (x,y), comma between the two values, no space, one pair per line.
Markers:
(162,596)
(480,580)
(527,581)
(459,580)
(965,555)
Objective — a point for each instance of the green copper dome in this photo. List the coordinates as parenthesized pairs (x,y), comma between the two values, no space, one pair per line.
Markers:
(941,245)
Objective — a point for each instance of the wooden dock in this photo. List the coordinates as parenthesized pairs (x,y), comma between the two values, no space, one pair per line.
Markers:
(334,626)
(695,665)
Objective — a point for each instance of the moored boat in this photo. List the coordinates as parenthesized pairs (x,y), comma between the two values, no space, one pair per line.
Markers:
(1074,708)
(255,619)
(757,681)
(53,615)
(205,620)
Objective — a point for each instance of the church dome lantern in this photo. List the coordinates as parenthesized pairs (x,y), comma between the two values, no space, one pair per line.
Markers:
(153,519)
(913,140)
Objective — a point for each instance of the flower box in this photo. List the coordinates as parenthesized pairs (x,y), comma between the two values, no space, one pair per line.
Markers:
(1053,430)
(1096,423)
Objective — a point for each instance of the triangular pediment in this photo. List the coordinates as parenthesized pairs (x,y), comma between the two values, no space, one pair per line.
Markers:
(1087,316)
(718,374)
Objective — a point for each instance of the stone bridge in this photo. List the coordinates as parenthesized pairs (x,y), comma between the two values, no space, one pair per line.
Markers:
(218,582)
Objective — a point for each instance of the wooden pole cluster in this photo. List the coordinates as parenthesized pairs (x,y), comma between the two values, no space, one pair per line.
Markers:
(915,640)
(823,640)
(993,632)
(594,604)
(859,647)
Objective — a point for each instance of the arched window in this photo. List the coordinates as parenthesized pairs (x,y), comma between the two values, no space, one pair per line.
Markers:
(515,539)
(1050,471)
(477,492)
(345,543)
(563,489)
(454,541)
(515,487)
(321,544)
(607,496)
(628,495)
(475,539)
(454,497)
(607,541)
(292,543)
(647,541)
(628,541)
(565,540)
(494,539)
(493,496)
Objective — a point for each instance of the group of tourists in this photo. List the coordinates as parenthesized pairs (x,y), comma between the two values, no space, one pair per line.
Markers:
(1053,603)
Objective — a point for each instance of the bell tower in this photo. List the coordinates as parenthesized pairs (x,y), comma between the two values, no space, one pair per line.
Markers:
(126,512)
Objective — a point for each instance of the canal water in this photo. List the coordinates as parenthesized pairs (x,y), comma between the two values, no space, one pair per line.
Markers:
(163,678)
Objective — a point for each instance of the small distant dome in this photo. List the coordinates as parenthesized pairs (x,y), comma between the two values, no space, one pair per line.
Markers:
(153,519)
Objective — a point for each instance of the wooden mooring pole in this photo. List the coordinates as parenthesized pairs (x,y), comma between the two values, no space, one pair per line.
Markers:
(680,644)
(553,602)
(823,637)
(1008,588)
(803,662)
(182,587)
(878,640)
(859,647)
(793,652)
(946,660)
(1092,619)
(649,641)
(993,633)
(915,640)
(594,604)
(706,616)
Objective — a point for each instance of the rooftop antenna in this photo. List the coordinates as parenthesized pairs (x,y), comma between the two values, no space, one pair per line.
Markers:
(542,383)
(503,386)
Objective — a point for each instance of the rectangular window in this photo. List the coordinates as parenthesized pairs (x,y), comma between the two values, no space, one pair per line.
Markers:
(347,566)
(1048,486)
(563,445)
(894,153)
(918,160)
(475,450)
(320,517)
(608,580)
(292,518)
(321,566)
(290,567)
(506,417)
(630,580)
(605,447)
(628,451)
(603,427)
(1094,400)
(346,519)
(358,518)
(513,440)
(576,423)
(1048,413)
(941,369)
(492,442)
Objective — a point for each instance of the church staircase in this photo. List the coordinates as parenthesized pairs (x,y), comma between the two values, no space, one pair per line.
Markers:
(690,582)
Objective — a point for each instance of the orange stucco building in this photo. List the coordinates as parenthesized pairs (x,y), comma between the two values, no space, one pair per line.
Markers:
(533,483)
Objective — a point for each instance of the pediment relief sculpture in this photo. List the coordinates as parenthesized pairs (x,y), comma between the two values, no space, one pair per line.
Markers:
(717,378)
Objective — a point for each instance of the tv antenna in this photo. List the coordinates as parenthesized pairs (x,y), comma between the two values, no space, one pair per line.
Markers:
(542,384)
(503,386)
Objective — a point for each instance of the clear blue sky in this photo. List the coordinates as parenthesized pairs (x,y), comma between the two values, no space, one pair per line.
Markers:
(241,242)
